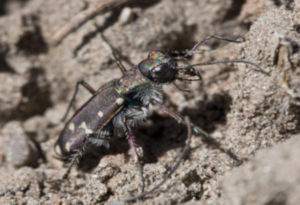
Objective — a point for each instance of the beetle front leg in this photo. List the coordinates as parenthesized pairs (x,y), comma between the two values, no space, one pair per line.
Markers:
(86,86)
(196,130)
(138,163)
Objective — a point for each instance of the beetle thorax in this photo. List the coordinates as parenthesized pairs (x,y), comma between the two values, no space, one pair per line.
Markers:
(132,82)
(136,106)
(139,93)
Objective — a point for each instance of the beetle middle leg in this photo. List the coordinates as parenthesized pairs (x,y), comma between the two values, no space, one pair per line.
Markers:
(178,159)
(138,163)
(86,86)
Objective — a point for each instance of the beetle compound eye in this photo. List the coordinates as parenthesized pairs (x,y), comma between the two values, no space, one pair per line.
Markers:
(163,73)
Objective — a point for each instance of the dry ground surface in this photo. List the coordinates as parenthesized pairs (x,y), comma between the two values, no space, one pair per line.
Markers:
(253,119)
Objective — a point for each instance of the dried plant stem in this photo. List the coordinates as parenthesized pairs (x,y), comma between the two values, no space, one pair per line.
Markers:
(100,7)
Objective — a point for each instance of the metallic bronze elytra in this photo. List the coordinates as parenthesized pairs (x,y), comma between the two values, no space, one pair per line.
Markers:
(119,105)
(91,117)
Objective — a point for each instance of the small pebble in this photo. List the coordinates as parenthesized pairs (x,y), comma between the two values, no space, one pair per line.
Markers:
(126,16)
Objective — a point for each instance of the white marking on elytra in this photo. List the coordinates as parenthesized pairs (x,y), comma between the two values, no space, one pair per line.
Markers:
(86,129)
(58,150)
(68,147)
(100,114)
(120,101)
(72,127)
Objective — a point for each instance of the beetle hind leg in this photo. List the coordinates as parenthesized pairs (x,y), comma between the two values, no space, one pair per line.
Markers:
(113,52)
(74,158)
(98,139)
(86,86)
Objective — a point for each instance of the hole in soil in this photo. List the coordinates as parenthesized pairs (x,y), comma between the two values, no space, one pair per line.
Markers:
(36,96)
(32,42)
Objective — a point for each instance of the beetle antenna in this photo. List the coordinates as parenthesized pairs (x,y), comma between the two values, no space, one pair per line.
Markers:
(259,69)
(194,49)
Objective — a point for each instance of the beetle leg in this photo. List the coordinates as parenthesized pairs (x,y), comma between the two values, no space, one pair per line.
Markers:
(85,85)
(138,163)
(178,159)
(196,130)
(114,53)
(98,139)
(74,159)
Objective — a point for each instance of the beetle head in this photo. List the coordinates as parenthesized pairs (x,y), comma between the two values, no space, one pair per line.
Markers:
(159,67)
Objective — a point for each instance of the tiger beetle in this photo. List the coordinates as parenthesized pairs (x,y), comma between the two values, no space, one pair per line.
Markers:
(121,104)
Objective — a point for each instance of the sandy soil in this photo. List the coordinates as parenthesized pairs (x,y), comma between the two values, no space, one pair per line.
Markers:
(253,119)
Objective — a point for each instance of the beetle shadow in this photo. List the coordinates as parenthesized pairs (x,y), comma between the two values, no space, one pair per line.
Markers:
(91,159)
(165,133)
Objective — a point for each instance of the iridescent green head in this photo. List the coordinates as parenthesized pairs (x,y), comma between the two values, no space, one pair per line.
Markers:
(159,67)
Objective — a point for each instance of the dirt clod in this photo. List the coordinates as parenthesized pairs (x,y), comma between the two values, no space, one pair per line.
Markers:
(18,148)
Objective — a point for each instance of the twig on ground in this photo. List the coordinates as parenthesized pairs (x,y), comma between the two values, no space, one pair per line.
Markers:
(100,7)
